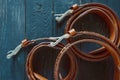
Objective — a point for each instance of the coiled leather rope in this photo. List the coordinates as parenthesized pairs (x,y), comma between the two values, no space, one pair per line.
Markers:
(34,75)
(54,44)
(109,46)
(108,16)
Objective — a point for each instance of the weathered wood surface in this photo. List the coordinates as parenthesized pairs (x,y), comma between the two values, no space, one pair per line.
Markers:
(40,22)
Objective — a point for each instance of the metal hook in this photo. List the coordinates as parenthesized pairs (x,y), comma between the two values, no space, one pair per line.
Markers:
(11,53)
(59,39)
(60,17)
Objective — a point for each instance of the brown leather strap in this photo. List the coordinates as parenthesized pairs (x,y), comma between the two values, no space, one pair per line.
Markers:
(35,76)
(110,18)
(109,46)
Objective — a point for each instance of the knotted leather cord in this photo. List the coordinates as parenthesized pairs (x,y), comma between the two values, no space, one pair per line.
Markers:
(32,74)
(109,46)
(110,18)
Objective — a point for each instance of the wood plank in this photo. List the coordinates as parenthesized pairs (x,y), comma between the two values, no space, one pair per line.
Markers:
(39,24)
(115,6)
(39,18)
(11,33)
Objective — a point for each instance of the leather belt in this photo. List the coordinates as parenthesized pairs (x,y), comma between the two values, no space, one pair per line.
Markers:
(109,46)
(108,16)
(35,76)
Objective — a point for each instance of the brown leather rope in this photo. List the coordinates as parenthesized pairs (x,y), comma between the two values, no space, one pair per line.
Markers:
(35,76)
(109,46)
(108,16)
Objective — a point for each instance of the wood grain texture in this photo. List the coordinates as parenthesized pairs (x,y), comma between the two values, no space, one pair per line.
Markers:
(40,22)
(39,18)
(11,33)
(60,6)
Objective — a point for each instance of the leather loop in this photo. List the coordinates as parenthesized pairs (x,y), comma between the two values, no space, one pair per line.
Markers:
(109,46)
(33,75)
(108,16)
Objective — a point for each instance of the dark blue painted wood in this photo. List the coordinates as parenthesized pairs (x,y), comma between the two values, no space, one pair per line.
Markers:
(60,6)
(39,18)
(11,33)
(40,22)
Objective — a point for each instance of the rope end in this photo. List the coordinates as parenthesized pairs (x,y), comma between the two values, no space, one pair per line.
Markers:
(14,52)
(8,56)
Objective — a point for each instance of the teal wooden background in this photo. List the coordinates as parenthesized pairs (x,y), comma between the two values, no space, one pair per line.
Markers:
(35,18)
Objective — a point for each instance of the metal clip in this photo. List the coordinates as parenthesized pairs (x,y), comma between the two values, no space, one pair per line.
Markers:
(70,33)
(59,39)
(11,53)
(24,43)
(60,17)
